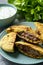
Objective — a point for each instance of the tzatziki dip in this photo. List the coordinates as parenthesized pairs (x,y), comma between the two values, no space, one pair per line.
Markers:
(6,12)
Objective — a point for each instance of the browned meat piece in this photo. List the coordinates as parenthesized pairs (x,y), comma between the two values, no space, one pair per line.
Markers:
(29,37)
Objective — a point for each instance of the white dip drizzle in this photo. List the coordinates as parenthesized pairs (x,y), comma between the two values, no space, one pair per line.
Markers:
(6,12)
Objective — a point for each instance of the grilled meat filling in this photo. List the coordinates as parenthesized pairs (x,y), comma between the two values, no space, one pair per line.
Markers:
(29,37)
(30,49)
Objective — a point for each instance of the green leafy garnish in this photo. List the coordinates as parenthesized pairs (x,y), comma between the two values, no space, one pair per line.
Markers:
(31,10)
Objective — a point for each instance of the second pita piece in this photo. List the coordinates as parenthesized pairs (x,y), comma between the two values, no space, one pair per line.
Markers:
(7,42)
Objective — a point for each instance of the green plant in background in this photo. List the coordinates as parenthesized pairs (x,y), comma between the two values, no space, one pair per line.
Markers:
(31,10)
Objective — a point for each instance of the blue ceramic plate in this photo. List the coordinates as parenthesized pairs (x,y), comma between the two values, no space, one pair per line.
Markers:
(18,57)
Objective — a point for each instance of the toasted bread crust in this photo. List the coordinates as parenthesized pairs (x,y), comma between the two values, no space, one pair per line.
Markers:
(18,28)
(7,42)
(39,30)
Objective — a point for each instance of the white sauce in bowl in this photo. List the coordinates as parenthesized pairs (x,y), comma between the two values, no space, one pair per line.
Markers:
(6,12)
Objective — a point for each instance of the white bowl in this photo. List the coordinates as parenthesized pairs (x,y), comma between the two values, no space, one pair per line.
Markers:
(7,21)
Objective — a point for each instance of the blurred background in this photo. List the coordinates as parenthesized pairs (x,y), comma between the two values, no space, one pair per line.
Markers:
(3,1)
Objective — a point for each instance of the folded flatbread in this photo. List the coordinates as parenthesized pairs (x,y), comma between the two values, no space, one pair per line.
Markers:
(8,41)
(30,49)
(39,26)
(18,28)
(39,29)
